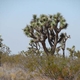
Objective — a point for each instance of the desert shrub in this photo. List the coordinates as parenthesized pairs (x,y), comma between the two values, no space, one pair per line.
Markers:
(54,67)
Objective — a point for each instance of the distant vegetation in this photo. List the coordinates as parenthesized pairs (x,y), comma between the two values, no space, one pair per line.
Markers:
(47,63)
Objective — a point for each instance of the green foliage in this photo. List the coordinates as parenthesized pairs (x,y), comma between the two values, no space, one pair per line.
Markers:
(44,21)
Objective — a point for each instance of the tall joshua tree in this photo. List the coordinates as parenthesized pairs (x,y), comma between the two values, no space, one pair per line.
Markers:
(45,28)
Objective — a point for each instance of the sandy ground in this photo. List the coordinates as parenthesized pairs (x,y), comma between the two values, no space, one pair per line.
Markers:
(18,73)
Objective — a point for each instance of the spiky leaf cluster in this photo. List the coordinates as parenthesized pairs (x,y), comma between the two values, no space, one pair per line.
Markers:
(40,26)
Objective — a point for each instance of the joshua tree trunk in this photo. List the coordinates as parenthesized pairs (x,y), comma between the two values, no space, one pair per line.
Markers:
(63,53)
(44,47)
(55,44)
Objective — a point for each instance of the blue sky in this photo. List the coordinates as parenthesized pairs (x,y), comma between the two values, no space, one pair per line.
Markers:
(16,14)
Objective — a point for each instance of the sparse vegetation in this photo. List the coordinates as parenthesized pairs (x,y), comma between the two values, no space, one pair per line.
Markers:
(48,66)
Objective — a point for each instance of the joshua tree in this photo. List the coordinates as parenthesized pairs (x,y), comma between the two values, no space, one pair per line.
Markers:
(45,28)
(0,48)
(3,49)
(63,43)
(72,52)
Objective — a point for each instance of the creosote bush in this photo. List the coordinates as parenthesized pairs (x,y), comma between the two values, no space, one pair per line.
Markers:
(53,67)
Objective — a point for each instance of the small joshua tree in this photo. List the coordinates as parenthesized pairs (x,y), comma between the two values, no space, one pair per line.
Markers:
(72,52)
(45,28)
(63,43)
(3,49)
(0,48)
